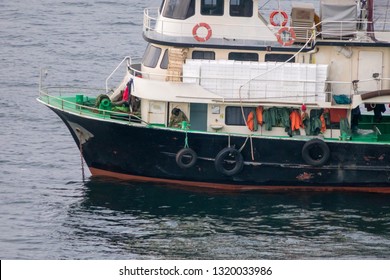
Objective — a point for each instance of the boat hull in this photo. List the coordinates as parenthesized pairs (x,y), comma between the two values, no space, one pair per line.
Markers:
(147,153)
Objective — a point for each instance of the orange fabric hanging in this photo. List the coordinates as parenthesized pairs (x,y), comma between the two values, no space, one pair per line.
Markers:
(250,121)
(337,114)
(323,124)
(296,120)
(259,114)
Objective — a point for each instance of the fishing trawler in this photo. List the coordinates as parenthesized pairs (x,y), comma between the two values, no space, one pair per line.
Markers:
(232,96)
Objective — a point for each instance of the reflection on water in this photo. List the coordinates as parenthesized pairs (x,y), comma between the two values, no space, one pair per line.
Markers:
(44,217)
(145,221)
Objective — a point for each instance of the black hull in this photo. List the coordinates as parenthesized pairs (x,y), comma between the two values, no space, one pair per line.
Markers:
(135,152)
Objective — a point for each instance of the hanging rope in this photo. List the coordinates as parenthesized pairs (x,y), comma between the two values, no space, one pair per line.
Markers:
(186,140)
(81,153)
(82,162)
(252,153)
(242,147)
(262,74)
(270,70)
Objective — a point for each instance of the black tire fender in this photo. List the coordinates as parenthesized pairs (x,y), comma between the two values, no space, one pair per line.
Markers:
(183,155)
(315,152)
(232,156)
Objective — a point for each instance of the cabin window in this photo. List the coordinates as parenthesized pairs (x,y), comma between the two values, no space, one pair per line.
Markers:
(151,56)
(164,61)
(211,7)
(234,115)
(277,57)
(243,56)
(161,7)
(203,55)
(241,8)
(179,9)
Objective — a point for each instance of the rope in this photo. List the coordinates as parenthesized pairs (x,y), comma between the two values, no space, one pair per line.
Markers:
(252,153)
(81,154)
(265,4)
(266,72)
(242,147)
(186,140)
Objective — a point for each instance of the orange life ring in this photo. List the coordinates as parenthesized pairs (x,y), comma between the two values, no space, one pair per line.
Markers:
(274,13)
(195,32)
(289,30)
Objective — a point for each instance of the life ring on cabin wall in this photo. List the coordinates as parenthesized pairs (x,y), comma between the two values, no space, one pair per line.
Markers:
(226,157)
(272,16)
(195,32)
(315,152)
(291,33)
(186,158)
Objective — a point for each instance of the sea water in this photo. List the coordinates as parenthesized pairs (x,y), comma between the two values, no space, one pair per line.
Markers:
(47,211)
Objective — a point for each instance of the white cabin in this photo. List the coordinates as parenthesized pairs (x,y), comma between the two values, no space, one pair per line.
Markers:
(218,59)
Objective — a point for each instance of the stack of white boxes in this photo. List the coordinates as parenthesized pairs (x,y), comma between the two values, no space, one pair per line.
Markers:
(259,80)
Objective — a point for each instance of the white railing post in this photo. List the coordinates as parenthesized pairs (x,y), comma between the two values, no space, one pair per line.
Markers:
(113,72)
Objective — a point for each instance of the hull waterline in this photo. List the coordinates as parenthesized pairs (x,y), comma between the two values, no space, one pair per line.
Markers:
(130,152)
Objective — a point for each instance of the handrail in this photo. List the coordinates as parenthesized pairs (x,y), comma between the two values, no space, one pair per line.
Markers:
(78,107)
(159,76)
(159,29)
(128,59)
(306,85)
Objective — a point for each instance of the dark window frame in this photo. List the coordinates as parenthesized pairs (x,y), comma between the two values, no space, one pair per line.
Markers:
(151,56)
(241,56)
(161,6)
(179,9)
(278,57)
(212,7)
(244,8)
(203,55)
(233,115)
(165,60)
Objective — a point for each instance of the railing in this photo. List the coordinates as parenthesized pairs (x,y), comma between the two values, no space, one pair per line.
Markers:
(60,91)
(308,89)
(181,32)
(126,59)
(55,97)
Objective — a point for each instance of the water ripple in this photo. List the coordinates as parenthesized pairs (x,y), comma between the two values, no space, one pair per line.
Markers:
(48,212)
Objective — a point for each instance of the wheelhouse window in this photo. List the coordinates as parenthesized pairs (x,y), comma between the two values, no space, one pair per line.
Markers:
(164,61)
(151,56)
(278,57)
(243,56)
(241,8)
(234,115)
(211,7)
(203,55)
(179,9)
(161,6)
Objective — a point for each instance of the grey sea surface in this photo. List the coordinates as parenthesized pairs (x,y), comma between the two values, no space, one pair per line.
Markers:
(48,212)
